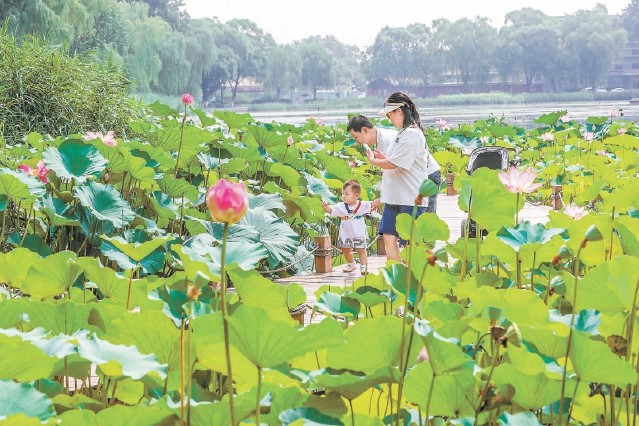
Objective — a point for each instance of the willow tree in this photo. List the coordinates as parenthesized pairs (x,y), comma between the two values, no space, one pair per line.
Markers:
(593,42)
(284,70)
(317,67)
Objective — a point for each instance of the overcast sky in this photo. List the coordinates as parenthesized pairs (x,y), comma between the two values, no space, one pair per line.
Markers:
(357,22)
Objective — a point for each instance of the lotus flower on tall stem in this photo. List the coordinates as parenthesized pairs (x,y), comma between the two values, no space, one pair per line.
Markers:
(187,100)
(227,202)
(519,182)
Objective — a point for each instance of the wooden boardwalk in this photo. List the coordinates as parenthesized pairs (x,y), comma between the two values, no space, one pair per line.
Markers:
(447,210)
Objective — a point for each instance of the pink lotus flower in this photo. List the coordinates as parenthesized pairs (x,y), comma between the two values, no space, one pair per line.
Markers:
(423,355)
(187,99)
(575,211)
(601,152)
(622,131)
(519,181)
(547,137)
(564,118)
(290,141)
(351,164)
(227,201)
(40,171)
(589,136)
(108,139)
(613,113)
(318,121)
(442,124)
(484,140)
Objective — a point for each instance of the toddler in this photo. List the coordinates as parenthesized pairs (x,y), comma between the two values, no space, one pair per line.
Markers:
(352,229)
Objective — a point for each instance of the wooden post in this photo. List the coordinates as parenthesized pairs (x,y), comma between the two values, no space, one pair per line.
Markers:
(556,197)
(323,254)
(450,189)
(381,248)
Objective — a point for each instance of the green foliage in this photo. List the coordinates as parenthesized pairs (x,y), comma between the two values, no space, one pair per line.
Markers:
(47,91)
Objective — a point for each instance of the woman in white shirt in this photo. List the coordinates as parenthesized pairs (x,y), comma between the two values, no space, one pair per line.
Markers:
(405,164)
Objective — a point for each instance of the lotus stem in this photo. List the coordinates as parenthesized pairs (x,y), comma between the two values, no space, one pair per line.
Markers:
(350,403)
(257,398)
(430,396)
(177,160)
(572,323)
(612,232)
(225,324)
(464,260)
(518,269)
(400,386)
(532,272)
(189,377)
(182,370)
(484,392)
(517,210)
(477,247)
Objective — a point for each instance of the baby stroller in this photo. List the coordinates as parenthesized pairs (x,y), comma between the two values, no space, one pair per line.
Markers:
(492,157)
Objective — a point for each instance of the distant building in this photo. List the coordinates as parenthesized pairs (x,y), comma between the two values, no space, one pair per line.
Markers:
(624,73)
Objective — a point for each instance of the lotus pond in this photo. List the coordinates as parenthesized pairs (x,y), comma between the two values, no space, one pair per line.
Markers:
(123,303)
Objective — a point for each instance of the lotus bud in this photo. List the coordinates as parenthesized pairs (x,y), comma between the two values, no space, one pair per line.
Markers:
(227,201)
(423,355)
(187,99)
(513,335)
(192,292)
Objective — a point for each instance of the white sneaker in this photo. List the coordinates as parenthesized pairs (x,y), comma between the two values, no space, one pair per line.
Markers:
(350,267)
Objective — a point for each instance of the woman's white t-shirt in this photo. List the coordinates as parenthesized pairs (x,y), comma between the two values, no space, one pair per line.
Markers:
(352,229)
(408,152)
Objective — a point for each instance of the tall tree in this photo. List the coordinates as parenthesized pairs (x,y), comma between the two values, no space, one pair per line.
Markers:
(170,11)
(346,63)
(531,39)
(630,19)
(284,70)
(317,67)
(592,41)
(248,48)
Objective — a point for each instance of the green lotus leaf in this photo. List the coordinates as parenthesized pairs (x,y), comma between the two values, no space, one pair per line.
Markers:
(396,275)
(371,345)
(284,398)
(518,306)
(219,412)
(275,234)
(308,416)
(114,156)
(429,228)
(52,275)
(244,254)
(178,188)
(195,264)
(250,154)
(137,167)
(527,233)
(445,354)
(208,340)
(22,361)
(19,187)
(525,418)
(336,166)
(464,142)
(163,205)
(58,212)
(532,391)
(119,360)
(351,384)
(491,205)
(628,229)
(370,296)
(155,157)
(23,398)
(138,415)
(105,203)
(267,201)
(60,346)
(317,186)
(135,250)
(186,139)
(253,289)
(593,361)
(263,137)
(113,286)
(450,392)
(15,264)
(551,118)
(174,300)
(11,314)
(152,333)
(75,159)
(288,175)
(269,342)
(337,305)
(233,166)
(309,208)
(65,318)
(610,287)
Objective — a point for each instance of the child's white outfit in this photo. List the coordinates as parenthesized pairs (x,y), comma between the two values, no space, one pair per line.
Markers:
(352,228)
